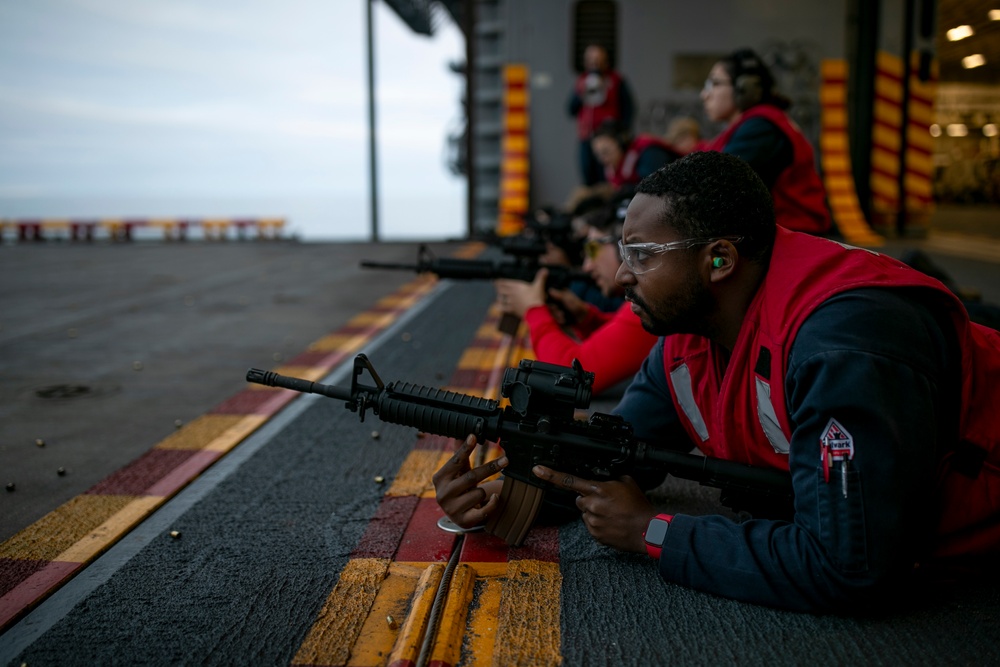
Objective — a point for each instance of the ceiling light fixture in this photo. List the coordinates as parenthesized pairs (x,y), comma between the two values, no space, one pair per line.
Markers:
(935,130)
(994,14)
(975,60)
(957,130)
(990,130)
(961,32)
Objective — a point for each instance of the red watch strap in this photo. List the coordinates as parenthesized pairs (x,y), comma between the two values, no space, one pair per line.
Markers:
(653,549)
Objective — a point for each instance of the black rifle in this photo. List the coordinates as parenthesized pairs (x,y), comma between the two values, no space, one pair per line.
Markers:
(538,427)
(524,268)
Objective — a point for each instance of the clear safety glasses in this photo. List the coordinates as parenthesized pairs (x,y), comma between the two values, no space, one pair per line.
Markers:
(644,257)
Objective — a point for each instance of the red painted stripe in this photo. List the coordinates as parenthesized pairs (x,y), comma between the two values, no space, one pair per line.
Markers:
(484,548)
(886,74)
(247,402)
(542,543)
(178,478)
(139,475)
(386,528)
(438,443)
(469,377)
(14,570)
(28,593)
(423,541)
(277,401)
(317,359)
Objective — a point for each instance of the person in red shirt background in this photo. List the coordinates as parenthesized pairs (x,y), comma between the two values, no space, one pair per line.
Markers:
(611,345)
(628,159)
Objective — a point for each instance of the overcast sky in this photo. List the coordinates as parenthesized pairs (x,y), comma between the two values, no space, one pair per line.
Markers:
(219,98)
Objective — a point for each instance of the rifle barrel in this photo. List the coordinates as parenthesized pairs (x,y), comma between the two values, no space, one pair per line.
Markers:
(366,264)
(272,379)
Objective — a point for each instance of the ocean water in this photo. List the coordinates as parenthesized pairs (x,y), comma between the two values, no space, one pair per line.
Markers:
(310,218)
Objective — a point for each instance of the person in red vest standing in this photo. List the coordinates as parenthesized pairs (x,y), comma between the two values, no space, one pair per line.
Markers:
(599,94)
(740,91)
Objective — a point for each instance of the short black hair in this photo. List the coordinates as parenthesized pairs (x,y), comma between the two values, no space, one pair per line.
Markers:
(710,194)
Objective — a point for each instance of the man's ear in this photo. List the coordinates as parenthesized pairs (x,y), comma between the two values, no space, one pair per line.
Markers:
(723,256)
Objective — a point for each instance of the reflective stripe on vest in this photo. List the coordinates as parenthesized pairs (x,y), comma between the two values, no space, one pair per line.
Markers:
(680,378)
(768,418)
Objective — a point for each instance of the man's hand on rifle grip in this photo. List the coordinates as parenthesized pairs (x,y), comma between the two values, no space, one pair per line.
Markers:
(615,512)
(517,296)
(459,492)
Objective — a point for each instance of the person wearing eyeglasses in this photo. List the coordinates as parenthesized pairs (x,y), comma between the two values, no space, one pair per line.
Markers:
(860,376)
(740,91)
(564,327)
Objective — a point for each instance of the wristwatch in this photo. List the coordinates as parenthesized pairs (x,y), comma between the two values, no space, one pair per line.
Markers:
(655,533)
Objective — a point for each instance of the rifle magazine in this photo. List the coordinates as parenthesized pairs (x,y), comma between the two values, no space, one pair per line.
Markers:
(516,512)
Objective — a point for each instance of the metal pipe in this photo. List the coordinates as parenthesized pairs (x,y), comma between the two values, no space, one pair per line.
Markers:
(372,176)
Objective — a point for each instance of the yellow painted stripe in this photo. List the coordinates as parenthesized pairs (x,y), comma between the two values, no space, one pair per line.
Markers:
(889,63)
(921,115)
(886,138)
(340,342)
(918,187)
(515,121)
(529,615)
(920,137)
(340,621)
(883,184)
(515,74)
(889,89)
(840,184)
(236,433)
(447,647)
(61,528)
(55,223)
(835,118)
(517,97)
(478,359)
(380,629)
(414,476)
(514,143)
(833,142)
(836,163)
(832,95)
(311,373)
(106,534)
(483,620)
(369,318)
(885,161)
(411,635)
(833,68)
(200,432)
(514,204)
(920,164)
(889,114)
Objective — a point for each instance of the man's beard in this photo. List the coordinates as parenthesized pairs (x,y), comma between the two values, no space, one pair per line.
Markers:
(684,313)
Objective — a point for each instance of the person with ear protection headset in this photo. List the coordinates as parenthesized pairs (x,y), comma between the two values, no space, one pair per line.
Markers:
(740,91)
